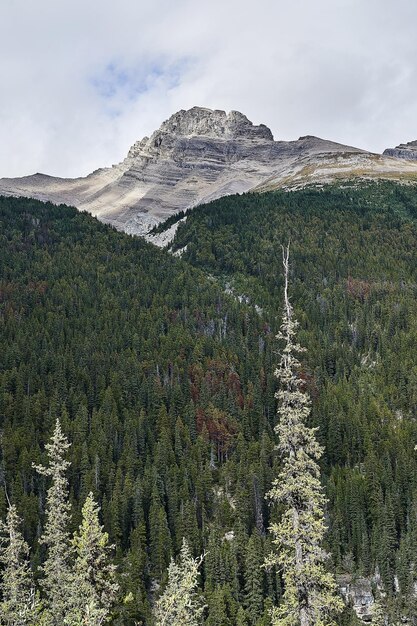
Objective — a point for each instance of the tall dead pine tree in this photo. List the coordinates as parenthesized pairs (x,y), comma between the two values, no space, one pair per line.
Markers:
(310,597)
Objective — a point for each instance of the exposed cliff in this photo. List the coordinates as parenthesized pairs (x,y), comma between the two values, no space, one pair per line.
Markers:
(406,151)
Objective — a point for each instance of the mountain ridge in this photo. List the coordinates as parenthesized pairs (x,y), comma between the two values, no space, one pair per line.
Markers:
(199,155)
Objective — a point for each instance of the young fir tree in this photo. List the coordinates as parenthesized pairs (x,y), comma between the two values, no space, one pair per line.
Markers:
(180,603)
(19,605)
(57,582)
(310,596)
(95,588)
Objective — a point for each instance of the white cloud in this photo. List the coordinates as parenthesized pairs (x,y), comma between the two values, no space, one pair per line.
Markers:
(83,79)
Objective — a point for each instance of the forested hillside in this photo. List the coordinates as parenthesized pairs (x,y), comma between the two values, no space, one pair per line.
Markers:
(161,386)
(161,371)
(354,288)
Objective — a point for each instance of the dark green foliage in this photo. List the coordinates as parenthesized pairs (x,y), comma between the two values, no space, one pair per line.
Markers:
(169,222)
(354,286)
(164,383)
(147,365)
(254,575)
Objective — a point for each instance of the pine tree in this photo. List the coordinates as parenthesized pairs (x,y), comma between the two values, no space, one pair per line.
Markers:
(221,607)
(241,619)
(135,579)
(95,588)
(253,598)
(180,604)
(19,604)
(57,582)
(309,590)
(160,538)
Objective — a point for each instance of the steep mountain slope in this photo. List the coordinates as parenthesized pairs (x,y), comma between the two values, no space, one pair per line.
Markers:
(148,365)
(199,155)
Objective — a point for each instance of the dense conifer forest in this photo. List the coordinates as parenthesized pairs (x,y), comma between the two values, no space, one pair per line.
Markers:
(160,371)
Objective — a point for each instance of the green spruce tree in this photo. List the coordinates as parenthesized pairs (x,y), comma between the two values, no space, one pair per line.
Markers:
(180,604)
(241,619)
(253,590)
(18,605)
(95,588)
(310,597)
(222,608)
(57,581)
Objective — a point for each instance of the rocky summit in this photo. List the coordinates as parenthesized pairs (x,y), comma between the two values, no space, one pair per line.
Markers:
(199,155)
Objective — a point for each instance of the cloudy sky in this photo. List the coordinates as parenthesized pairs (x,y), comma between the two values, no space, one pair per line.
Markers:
(83,79)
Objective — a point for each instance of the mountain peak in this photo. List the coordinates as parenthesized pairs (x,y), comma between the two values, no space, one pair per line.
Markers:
(200,121)
(200,154)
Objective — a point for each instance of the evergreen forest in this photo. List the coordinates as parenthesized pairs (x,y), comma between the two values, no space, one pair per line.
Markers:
(159,366)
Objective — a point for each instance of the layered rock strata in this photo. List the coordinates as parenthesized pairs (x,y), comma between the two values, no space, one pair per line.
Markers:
(406,151)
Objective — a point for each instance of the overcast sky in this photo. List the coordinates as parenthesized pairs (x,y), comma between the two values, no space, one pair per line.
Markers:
(83,79)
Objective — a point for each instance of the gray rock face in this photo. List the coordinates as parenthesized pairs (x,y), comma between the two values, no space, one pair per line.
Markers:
(403,151)
(195,156)
(358,594)
(214,124)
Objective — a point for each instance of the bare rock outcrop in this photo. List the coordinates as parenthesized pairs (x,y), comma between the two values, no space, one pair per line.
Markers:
(406,151)
(358,594)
